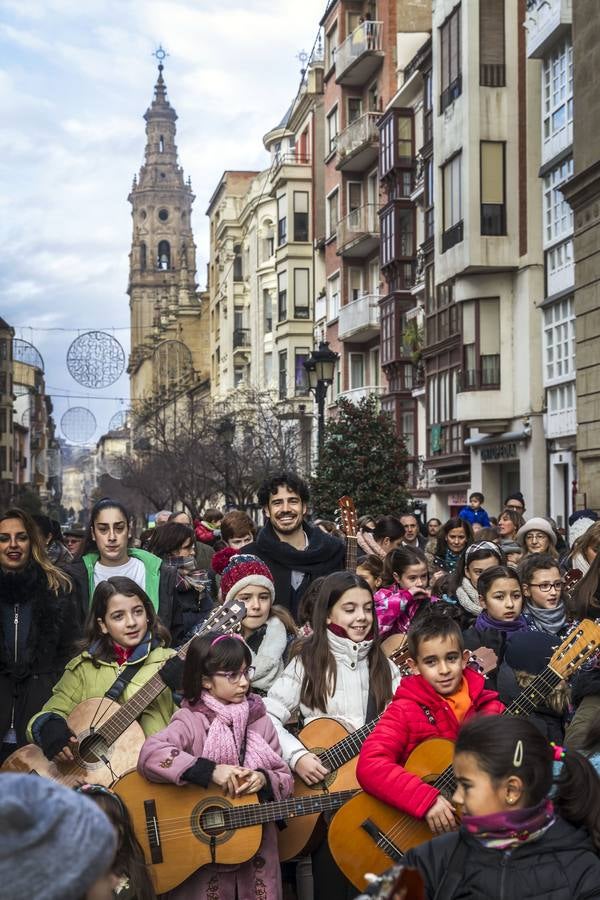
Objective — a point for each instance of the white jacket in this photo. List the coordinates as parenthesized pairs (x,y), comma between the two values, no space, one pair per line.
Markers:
(348,704)
(268,660)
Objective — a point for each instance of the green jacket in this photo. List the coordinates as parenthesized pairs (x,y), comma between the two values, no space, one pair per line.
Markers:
(151,563)
(82,680)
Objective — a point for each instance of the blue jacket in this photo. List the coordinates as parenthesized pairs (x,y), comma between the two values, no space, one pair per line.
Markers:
(475,515)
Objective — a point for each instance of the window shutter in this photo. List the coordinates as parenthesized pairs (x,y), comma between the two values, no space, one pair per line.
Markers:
(491,32)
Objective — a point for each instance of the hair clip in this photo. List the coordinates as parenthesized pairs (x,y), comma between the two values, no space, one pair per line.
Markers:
(518,756)
(559,752)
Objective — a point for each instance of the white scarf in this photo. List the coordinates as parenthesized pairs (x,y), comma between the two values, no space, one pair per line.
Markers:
(468,597)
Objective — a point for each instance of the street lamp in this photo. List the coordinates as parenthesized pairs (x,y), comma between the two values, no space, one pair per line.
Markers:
(226,431)
(320,367)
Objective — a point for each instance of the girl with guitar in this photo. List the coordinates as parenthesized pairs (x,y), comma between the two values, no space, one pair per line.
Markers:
(124,647)
(340,671)
(523,834)
(223,734)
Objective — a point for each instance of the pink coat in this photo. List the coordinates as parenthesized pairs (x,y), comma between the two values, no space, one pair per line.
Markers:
(167,754)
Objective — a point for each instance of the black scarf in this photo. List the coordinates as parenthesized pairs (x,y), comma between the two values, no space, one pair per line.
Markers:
(323,555)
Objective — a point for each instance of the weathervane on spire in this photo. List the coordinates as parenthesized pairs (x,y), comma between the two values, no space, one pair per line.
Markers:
(161,55)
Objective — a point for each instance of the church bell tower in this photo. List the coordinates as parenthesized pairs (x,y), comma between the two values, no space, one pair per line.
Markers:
(164,304)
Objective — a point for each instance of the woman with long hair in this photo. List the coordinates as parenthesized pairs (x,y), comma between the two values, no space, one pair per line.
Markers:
(38,629)
(454,537)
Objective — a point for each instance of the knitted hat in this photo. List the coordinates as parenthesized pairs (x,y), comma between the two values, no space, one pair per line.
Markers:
(583,514)
(536,524)
(55,843)
(242,570)
(530,651)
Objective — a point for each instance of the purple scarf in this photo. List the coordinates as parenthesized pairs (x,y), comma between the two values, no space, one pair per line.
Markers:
(484,621)
(511,828)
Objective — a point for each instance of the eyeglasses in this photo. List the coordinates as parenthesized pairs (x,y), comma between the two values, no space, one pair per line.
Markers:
(536,536)
(545,586)
(234,677)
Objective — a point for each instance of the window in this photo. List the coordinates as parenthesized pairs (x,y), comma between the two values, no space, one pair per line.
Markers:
(282,374)
(357,370)
(373,98)
(161,144)
(164,256)
(493,200)
(559,267)
(238,263)
(282,296)
(2,421)
(268,310)
(332,130)
(143,256)
(330,46)
(558,216)
(481,344)
(301,294)
(333,297)
(354,109)
(268,357)
(374,367)
(301,215)
(354,195)
(428,191)
(451,81)
(405,144)
(405,232)
(238,375)
(491,43)
(559,341)
(281,220)
(407,430)
(268,241)
(452,227)
(388,242)
(300,373)
(355,284)
(332,213)
(427,107)
(557,97)
(443,313)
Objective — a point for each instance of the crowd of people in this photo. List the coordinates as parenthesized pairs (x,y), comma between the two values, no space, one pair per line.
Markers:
(435,633)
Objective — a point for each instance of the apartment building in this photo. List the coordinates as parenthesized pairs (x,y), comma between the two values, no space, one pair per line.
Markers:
(264,272)
(548,31)
(360,77)
(482,354)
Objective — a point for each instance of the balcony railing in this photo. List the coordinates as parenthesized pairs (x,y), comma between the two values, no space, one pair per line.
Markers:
(484,379)
(451,93)
(446,440)
(358,232)
(241,338)
(357,58)
(290,158)
(359,319)
(544,22)
(357,145)
(452,236)
(355,395)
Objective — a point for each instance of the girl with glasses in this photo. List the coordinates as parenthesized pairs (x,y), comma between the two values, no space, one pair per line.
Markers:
(542,591)
(223,736)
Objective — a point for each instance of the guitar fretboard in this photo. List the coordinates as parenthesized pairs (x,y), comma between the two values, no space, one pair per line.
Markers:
(260,813)
(351,553)
(347,748)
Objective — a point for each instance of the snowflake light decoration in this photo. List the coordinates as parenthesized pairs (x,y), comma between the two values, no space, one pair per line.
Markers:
(96,359)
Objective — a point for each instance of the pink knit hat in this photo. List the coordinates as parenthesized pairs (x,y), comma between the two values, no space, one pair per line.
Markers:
(242,570)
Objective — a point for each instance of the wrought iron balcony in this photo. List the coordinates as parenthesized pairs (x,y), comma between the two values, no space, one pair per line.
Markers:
(241,338)
(360,55)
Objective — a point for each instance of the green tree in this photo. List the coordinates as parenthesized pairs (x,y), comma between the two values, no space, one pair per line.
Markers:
(363,457)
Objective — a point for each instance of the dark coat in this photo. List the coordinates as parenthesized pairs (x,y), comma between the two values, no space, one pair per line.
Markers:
(550,723)
(169,608)
(493,638)
(43,641)
(561,865)
(324,555)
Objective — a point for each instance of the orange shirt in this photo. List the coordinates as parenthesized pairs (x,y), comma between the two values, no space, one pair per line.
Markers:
(460,702)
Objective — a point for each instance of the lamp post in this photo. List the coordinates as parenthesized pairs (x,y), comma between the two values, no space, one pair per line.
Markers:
(226,431)
(320,367)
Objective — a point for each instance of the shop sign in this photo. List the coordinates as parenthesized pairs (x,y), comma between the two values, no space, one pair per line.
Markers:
(499,452)
(457,499)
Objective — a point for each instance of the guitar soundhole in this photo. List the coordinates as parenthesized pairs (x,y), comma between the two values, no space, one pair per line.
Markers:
(208,821)
(91,750)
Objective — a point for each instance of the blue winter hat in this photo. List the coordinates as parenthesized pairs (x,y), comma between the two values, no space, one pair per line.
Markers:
(55,843)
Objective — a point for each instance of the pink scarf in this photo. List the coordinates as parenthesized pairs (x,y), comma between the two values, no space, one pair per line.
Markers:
(227,733)
(367,542)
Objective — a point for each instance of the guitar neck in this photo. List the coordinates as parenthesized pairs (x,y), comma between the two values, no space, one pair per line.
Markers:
(351,553)
(346,749)
(261,813)
(526,703)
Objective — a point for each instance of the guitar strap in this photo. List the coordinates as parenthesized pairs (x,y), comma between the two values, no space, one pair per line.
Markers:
(123,679)
(454,873)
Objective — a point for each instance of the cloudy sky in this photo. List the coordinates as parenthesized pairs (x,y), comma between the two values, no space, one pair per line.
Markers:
(76,77)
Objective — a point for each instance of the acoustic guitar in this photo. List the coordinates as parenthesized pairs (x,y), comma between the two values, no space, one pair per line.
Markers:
(337,750)
(350,528)
(182,828)
(367,835)
(109,736)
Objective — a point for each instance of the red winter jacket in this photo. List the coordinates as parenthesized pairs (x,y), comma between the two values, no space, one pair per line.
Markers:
(403,726)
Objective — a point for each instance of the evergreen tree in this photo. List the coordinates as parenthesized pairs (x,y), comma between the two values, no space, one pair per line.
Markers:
(363,457)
